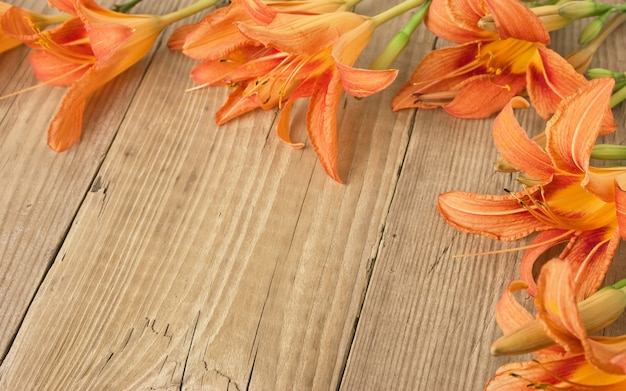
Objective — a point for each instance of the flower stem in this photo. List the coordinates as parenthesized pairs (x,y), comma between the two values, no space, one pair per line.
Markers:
(125,7)
(187,11)
(607,29)
(43,21)
(351,3)
(400,40)
(395,11)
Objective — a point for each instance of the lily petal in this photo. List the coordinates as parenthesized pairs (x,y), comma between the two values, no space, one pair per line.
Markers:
(259,11)
(515,20)
(440,70)
(601,182)
(543,242)
(236,104)
(557,306)
(282,130)
(620,204)
(322,121)
(10,15)
(66,127)
(518,149)
(551,80)
(558,309)
(54,71)
(365,82)
(456,21)
(215,36)
(510,314)
(470,102)
(107,39)
(590,254)
(64,5)
(558,371)
(497,217)
(574,128)
(292,33)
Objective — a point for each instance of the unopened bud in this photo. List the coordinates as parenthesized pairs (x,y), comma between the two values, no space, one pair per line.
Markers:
(591,30)
(596,312)
(582,9)
(581,58)
(595,73)
(548,14)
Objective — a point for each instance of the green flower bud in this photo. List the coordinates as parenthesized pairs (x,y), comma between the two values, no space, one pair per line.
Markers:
(596,312)
(591,30)
(582,9)
(595,73)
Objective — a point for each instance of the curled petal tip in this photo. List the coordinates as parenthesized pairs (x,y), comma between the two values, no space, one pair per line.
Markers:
(519,103)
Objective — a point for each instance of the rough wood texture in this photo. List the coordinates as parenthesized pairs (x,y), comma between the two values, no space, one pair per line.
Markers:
(164,252)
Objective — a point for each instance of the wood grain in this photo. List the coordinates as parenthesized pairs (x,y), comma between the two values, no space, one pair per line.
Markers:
(210,258)
(428,318)
(164,252)
(42,190)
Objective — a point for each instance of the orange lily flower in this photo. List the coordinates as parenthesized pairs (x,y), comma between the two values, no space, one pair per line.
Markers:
(10,14)
(271,61)
(61,55)
(88,51)
(6,42)
(565,198)
(217,41)
(579,361)
(480,76)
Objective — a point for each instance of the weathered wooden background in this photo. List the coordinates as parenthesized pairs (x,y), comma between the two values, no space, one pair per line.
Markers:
(164,252)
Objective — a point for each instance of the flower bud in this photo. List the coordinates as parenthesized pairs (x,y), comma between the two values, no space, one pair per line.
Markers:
(619,95)
(548,14)
(581,58)
(582,9)
(591,30)
(608,152)
(595,73)
(596,312)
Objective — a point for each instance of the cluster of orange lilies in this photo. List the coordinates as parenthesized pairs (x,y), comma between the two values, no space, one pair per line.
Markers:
(263,52)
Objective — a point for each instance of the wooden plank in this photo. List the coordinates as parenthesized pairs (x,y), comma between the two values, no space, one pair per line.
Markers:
(213,258)
(42,190)
(428,318)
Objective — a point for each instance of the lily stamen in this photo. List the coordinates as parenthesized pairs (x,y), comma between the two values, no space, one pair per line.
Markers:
(558,239)
(45,83)
(436,98)
(510,58)
(568,201)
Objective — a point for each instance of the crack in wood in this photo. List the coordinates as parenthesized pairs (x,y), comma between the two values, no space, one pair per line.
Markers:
(193,333)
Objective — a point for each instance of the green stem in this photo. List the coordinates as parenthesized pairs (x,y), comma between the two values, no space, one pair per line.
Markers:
(400,40)
(351,3)
(125,7)
(187,11)
(397,10)
(610,27)
(44,21)
(416,20)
